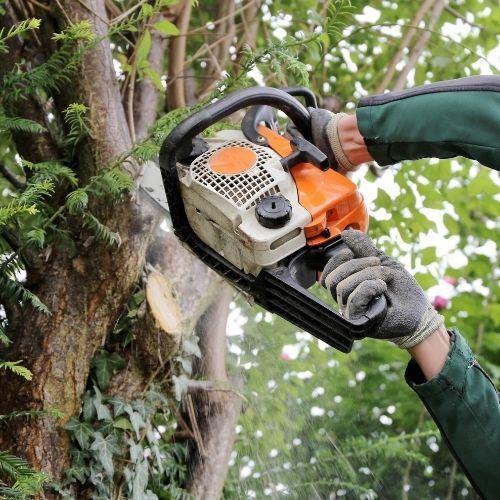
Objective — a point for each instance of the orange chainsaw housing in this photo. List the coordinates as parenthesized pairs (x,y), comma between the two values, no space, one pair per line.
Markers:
(333,200)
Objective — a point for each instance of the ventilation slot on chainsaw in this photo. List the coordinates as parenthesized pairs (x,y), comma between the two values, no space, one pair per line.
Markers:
(244,189)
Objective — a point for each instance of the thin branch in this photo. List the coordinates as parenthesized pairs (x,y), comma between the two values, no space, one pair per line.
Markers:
(433,32)
(224,18)
(127,13)
(12,178)
(410,33)
(416,52)
(177,51)
(451,482)
(211,386)
(42,6)
(130,101)
(457,14)
(147,95)
(194,424)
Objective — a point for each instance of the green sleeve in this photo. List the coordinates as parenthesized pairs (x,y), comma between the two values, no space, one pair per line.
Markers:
(465,405)
(442,120)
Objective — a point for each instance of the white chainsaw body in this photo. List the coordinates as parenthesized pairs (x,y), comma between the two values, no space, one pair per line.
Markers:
(221,207)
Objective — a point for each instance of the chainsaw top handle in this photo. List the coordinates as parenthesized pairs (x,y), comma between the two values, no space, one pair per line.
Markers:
(179,140)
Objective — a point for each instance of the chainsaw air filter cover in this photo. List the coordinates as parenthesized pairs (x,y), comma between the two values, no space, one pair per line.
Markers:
(221,189)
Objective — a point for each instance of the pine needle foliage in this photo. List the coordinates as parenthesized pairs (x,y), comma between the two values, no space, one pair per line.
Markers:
(339,17)
(49,76)
(24,481)
(79,128)
(100,230)
(17,124)
(16,30)
(17,368)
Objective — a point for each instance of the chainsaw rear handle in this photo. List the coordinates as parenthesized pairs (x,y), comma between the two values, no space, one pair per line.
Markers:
(303,269)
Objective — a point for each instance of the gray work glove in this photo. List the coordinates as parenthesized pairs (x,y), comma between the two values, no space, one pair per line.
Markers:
(359,273)
(325,138)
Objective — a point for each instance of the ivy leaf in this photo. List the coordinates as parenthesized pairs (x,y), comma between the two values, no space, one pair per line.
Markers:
(180,385)
(137,422)
(166,28)
(102,410)
(140,480)
(190,346)
(89,411)
(119,406)
(123,423)
(135,451)
(105,447)
(106,365)
(82,431)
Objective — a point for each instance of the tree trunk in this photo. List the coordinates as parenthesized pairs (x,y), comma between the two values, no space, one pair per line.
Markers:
(214,412)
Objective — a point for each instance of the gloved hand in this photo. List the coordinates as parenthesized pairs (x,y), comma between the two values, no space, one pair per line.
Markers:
(324,127)
(359,273)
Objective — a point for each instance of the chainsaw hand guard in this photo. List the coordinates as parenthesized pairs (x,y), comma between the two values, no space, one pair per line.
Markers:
(280,289)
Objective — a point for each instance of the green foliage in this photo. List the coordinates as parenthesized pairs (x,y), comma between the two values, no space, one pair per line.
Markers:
(55,72)
(106,364)
(16,30)
(101,231)
(15,367)
(17,124)
(75,118)
(125,448)
(24,480)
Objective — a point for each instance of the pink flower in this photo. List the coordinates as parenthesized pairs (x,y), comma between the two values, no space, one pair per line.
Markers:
(450,280)
(285,356)
(439,303)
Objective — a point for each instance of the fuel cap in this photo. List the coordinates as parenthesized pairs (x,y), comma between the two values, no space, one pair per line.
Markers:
(273,212)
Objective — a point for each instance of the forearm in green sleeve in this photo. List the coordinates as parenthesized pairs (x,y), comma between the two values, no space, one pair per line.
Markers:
(442,120)
(464,403)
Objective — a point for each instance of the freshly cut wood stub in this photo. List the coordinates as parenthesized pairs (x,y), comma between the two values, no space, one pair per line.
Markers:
(159,334)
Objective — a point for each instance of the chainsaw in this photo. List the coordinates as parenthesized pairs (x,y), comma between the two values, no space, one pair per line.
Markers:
(263,209)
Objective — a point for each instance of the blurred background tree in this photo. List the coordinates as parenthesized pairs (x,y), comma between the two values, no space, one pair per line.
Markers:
(100,304)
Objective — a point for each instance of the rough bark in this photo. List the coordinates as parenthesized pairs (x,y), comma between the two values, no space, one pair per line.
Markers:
(84,293)
(214,412)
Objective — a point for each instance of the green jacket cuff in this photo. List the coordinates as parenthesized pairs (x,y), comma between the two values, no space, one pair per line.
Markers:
(453,374)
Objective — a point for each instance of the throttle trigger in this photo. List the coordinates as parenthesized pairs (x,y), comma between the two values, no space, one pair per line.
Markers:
(304,152)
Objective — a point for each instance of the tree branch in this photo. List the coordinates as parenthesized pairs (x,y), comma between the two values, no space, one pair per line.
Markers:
(147,95)
(12,178)
(97,88)
(410,33)
(177,50)
(416,52)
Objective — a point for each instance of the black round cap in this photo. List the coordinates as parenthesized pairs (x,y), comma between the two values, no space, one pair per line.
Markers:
(273,211)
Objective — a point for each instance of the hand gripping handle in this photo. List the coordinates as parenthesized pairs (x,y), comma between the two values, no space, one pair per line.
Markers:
(287,295)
